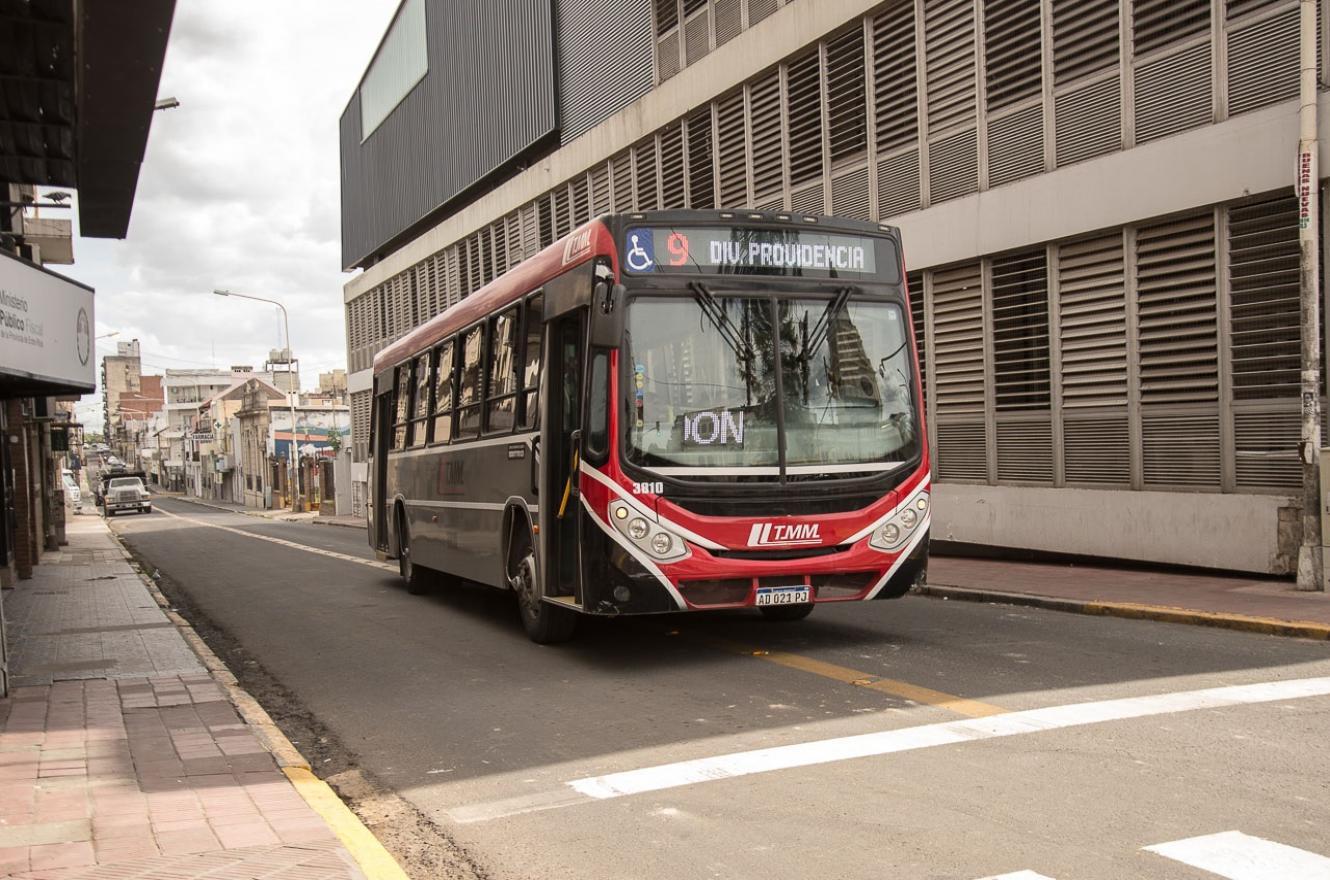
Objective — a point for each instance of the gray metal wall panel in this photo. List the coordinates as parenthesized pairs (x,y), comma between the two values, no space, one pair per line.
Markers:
(604,60)
(488,95)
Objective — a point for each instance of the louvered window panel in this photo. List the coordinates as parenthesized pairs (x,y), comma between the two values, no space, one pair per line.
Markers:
(360,403)
(1020,332)
(1266,449)
(953,168)
(1236,9)
(895,78)
(499,238)
(452,277)
(476,261)
(898,184)
(516,245)
(760,9)
(701,167)
(805,119)
(697,36)
(530,229)
(600,190)
(1012,64)
(962,454)
(623,182)
(1173,93)
(1264,305)
(1025,448)
(764,96)
(918,321)
(1176,311)
(648,193)
(1096,449)
(563,212)
(1085,38)
(849,194)
(958,341)
(847,97)
(1263,62)
(1160,23)
(667,55)
(672,180)
(1016,145)
(733,159)
(579,203)
(487,260)
(729,21)
(949,50)
(1180,449)
(1088,121)
(667,15)
(807,200)
(1093,323)
(545,215)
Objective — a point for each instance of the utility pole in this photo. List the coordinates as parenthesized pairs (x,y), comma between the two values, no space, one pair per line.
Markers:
(1308,185)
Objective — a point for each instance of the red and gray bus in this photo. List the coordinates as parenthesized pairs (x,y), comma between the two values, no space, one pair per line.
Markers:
(668,411)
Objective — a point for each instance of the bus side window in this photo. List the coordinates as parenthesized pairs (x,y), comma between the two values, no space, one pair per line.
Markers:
(420,401)
(445,385)
(598,411)
(501,399)
(469,387)
(535,331)
(402,405)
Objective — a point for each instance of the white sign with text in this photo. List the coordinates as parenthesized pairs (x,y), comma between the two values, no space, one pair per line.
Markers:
(46,324)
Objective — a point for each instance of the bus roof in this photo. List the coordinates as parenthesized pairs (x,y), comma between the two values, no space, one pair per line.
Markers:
(587,241)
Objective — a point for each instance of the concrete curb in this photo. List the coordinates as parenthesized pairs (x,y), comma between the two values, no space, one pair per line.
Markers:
(373,859)
(1302,629)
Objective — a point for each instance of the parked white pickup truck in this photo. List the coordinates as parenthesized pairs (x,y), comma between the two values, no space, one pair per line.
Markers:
(127,493)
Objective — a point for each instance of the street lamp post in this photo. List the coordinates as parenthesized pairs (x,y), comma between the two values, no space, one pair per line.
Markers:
(291,476)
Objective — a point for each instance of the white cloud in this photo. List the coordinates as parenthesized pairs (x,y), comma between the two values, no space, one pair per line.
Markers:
(239,189)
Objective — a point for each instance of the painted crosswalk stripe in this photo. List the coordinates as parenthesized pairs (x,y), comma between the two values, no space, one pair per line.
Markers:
(1239,856)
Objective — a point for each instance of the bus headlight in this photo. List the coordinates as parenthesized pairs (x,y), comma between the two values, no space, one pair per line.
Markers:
(661,544)
(650,536)
(638,528)
(889,536)
(909,518)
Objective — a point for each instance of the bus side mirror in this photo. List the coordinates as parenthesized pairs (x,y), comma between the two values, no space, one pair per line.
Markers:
(607,306)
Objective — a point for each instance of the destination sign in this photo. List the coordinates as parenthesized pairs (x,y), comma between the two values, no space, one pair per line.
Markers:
(720,250)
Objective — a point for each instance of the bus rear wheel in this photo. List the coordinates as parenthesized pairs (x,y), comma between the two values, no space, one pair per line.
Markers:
(545,623)
(418,579)
(786,612)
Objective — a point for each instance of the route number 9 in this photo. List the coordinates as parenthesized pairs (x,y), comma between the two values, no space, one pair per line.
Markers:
(677,245)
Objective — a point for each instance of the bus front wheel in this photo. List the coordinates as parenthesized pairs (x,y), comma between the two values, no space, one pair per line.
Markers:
(546,624)
(786,612)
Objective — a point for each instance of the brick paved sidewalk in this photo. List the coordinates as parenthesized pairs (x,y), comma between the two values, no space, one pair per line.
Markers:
(1187,597)
(120,756)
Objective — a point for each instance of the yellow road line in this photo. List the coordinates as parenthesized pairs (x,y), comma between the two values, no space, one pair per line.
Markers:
(845,675)
(364,847)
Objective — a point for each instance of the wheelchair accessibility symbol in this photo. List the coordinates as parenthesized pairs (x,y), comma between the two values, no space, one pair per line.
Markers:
(640,256)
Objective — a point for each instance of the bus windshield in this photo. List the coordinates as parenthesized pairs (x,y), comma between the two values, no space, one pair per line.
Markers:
(704,396)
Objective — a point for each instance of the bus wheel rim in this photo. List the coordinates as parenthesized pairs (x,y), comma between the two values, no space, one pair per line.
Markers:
(526,576)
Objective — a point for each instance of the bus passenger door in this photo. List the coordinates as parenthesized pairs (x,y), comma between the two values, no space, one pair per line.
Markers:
(565,353)
(381,433)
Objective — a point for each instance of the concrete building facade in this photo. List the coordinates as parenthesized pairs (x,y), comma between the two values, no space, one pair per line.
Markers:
(1095,197)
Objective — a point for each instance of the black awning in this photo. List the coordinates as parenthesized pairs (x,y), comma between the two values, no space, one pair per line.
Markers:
(78,80)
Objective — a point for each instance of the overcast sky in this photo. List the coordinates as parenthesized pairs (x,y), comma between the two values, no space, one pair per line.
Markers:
(239,190)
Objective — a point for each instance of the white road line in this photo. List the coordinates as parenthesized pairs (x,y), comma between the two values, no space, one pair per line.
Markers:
(1239,856)
(318,551)
(1018,875)
(912,738)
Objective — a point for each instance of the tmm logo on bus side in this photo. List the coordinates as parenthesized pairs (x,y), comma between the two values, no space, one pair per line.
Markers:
(776,535)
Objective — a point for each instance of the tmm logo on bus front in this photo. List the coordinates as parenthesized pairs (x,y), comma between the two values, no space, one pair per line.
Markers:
(777,535)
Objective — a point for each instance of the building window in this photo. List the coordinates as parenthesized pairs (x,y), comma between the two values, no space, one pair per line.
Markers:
(444,391)
(469,384)
(501,399)
(535,328)
(400,63)
(420,403)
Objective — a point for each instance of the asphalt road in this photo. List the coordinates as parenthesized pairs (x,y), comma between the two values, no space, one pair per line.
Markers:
(913,739)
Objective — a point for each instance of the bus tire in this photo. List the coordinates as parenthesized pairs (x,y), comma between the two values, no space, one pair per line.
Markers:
(787,613)
(417,577)
(545,623)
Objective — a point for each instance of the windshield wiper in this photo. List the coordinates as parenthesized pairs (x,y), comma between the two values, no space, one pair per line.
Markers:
(715,313)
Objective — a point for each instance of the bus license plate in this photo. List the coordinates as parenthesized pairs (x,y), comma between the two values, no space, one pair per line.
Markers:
(783,595)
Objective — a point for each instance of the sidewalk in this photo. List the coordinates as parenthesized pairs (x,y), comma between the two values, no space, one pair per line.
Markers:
(1236,602)
(353,522)
(122,756)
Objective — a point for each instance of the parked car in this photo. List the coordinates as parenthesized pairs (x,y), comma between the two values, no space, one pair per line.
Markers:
(126,493)
(73,495)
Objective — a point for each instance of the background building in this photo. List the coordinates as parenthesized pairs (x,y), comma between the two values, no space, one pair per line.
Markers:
(1095,197)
